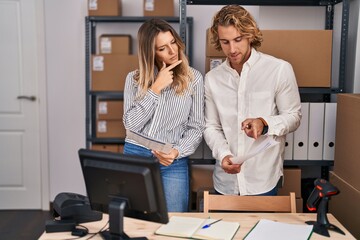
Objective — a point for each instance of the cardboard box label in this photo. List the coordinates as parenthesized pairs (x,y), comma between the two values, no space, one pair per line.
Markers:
(105,45)
(149,5)
(214,62)
(98,63)
(103,108)
(93,5)
(102,127)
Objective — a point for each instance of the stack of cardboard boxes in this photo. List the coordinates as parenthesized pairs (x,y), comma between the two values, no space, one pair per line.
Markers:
(111,64)
(152,8)
(345,206)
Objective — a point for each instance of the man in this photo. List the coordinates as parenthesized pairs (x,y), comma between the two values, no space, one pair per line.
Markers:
(249,95)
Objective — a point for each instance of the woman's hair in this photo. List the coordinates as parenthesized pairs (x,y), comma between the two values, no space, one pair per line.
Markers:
(241,19)
(145,76)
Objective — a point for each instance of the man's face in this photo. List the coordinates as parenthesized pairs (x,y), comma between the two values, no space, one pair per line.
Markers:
(234,46)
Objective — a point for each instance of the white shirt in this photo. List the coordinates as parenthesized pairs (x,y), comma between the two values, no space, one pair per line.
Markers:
(265,88)
(168,117)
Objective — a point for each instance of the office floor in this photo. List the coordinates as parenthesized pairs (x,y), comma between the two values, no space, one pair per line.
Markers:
(22,224)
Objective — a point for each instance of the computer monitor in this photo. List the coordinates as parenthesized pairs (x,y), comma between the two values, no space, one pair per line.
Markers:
(123,185)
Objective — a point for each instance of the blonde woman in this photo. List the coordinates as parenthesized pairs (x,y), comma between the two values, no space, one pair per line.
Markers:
(164,100)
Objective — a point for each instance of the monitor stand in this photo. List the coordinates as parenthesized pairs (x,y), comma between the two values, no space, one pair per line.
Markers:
(116,222)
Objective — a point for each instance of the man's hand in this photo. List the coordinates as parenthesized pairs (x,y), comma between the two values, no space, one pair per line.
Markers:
(229,167)
(166,159)
(253,127)
(164,78)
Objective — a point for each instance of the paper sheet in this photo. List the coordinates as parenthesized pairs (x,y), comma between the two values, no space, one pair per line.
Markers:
(260,145)
(267,229)
(149,142)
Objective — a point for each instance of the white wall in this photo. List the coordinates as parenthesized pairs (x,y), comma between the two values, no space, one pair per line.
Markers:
(65,46)
(65,53)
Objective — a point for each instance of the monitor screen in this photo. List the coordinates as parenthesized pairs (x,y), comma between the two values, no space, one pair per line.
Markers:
(123,185)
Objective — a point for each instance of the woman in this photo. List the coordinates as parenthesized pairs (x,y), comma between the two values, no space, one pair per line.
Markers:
(164,100)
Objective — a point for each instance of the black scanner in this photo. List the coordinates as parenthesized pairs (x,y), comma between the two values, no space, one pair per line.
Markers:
(70,209)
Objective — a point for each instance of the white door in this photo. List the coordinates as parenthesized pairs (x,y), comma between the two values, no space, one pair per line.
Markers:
(20,156)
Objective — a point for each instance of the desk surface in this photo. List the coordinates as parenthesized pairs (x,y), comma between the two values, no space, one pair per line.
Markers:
(138,228)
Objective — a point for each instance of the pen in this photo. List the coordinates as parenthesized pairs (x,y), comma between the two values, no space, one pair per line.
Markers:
(208,225)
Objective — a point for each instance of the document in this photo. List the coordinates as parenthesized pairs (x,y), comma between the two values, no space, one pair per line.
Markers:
(190,227)
(267,229)
(259,145)
(150,143)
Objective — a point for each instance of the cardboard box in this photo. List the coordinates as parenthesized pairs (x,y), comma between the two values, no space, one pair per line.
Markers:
(108,72)
(104,7)
(110,110)
(160,8)
(210,50)
(201,177)
(212,62)
(105,147)
(115,44)
(308,51)
(347,150)
(345,206)
(110,129)
(299,205)
(292,182)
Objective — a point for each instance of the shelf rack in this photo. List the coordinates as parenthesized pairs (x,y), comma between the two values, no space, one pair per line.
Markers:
(329,19)
(91,23)
(306,93)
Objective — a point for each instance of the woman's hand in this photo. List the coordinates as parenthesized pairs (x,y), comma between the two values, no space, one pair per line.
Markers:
(166,159)
(164,78)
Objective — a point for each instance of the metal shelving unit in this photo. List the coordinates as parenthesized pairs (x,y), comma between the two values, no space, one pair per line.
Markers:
(90,48)
(308,94)
(319,94)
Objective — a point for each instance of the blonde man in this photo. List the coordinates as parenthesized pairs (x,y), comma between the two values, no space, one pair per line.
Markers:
(250,95)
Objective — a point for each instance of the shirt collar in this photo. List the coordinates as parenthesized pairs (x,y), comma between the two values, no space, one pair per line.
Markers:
(254,56)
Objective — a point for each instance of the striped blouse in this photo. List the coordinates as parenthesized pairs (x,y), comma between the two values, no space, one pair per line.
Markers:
(168,117)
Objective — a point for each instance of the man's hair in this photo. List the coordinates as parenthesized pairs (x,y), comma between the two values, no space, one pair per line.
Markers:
(241,19)
(145,77)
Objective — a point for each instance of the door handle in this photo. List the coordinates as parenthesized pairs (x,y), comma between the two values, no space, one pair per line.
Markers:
(30,98)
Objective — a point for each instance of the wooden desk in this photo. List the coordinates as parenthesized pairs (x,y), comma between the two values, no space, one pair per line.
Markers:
(138,228)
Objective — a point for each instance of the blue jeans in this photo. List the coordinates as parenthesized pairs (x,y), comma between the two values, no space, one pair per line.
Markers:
(175,179)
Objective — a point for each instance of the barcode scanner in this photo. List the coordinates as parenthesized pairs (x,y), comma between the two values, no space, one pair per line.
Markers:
(322,191)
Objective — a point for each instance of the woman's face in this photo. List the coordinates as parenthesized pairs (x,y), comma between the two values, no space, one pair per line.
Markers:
(166,49)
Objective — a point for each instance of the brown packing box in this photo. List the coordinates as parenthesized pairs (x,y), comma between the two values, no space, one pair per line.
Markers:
(345,206)
(110,129)
(299,205)
(212,62)
(115,44)
(110,110)
(210,50)
(104,7)
(201,180)
(292,182)
(347,150)
(108,72)
(308,51)
(163,8)
(105,147)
